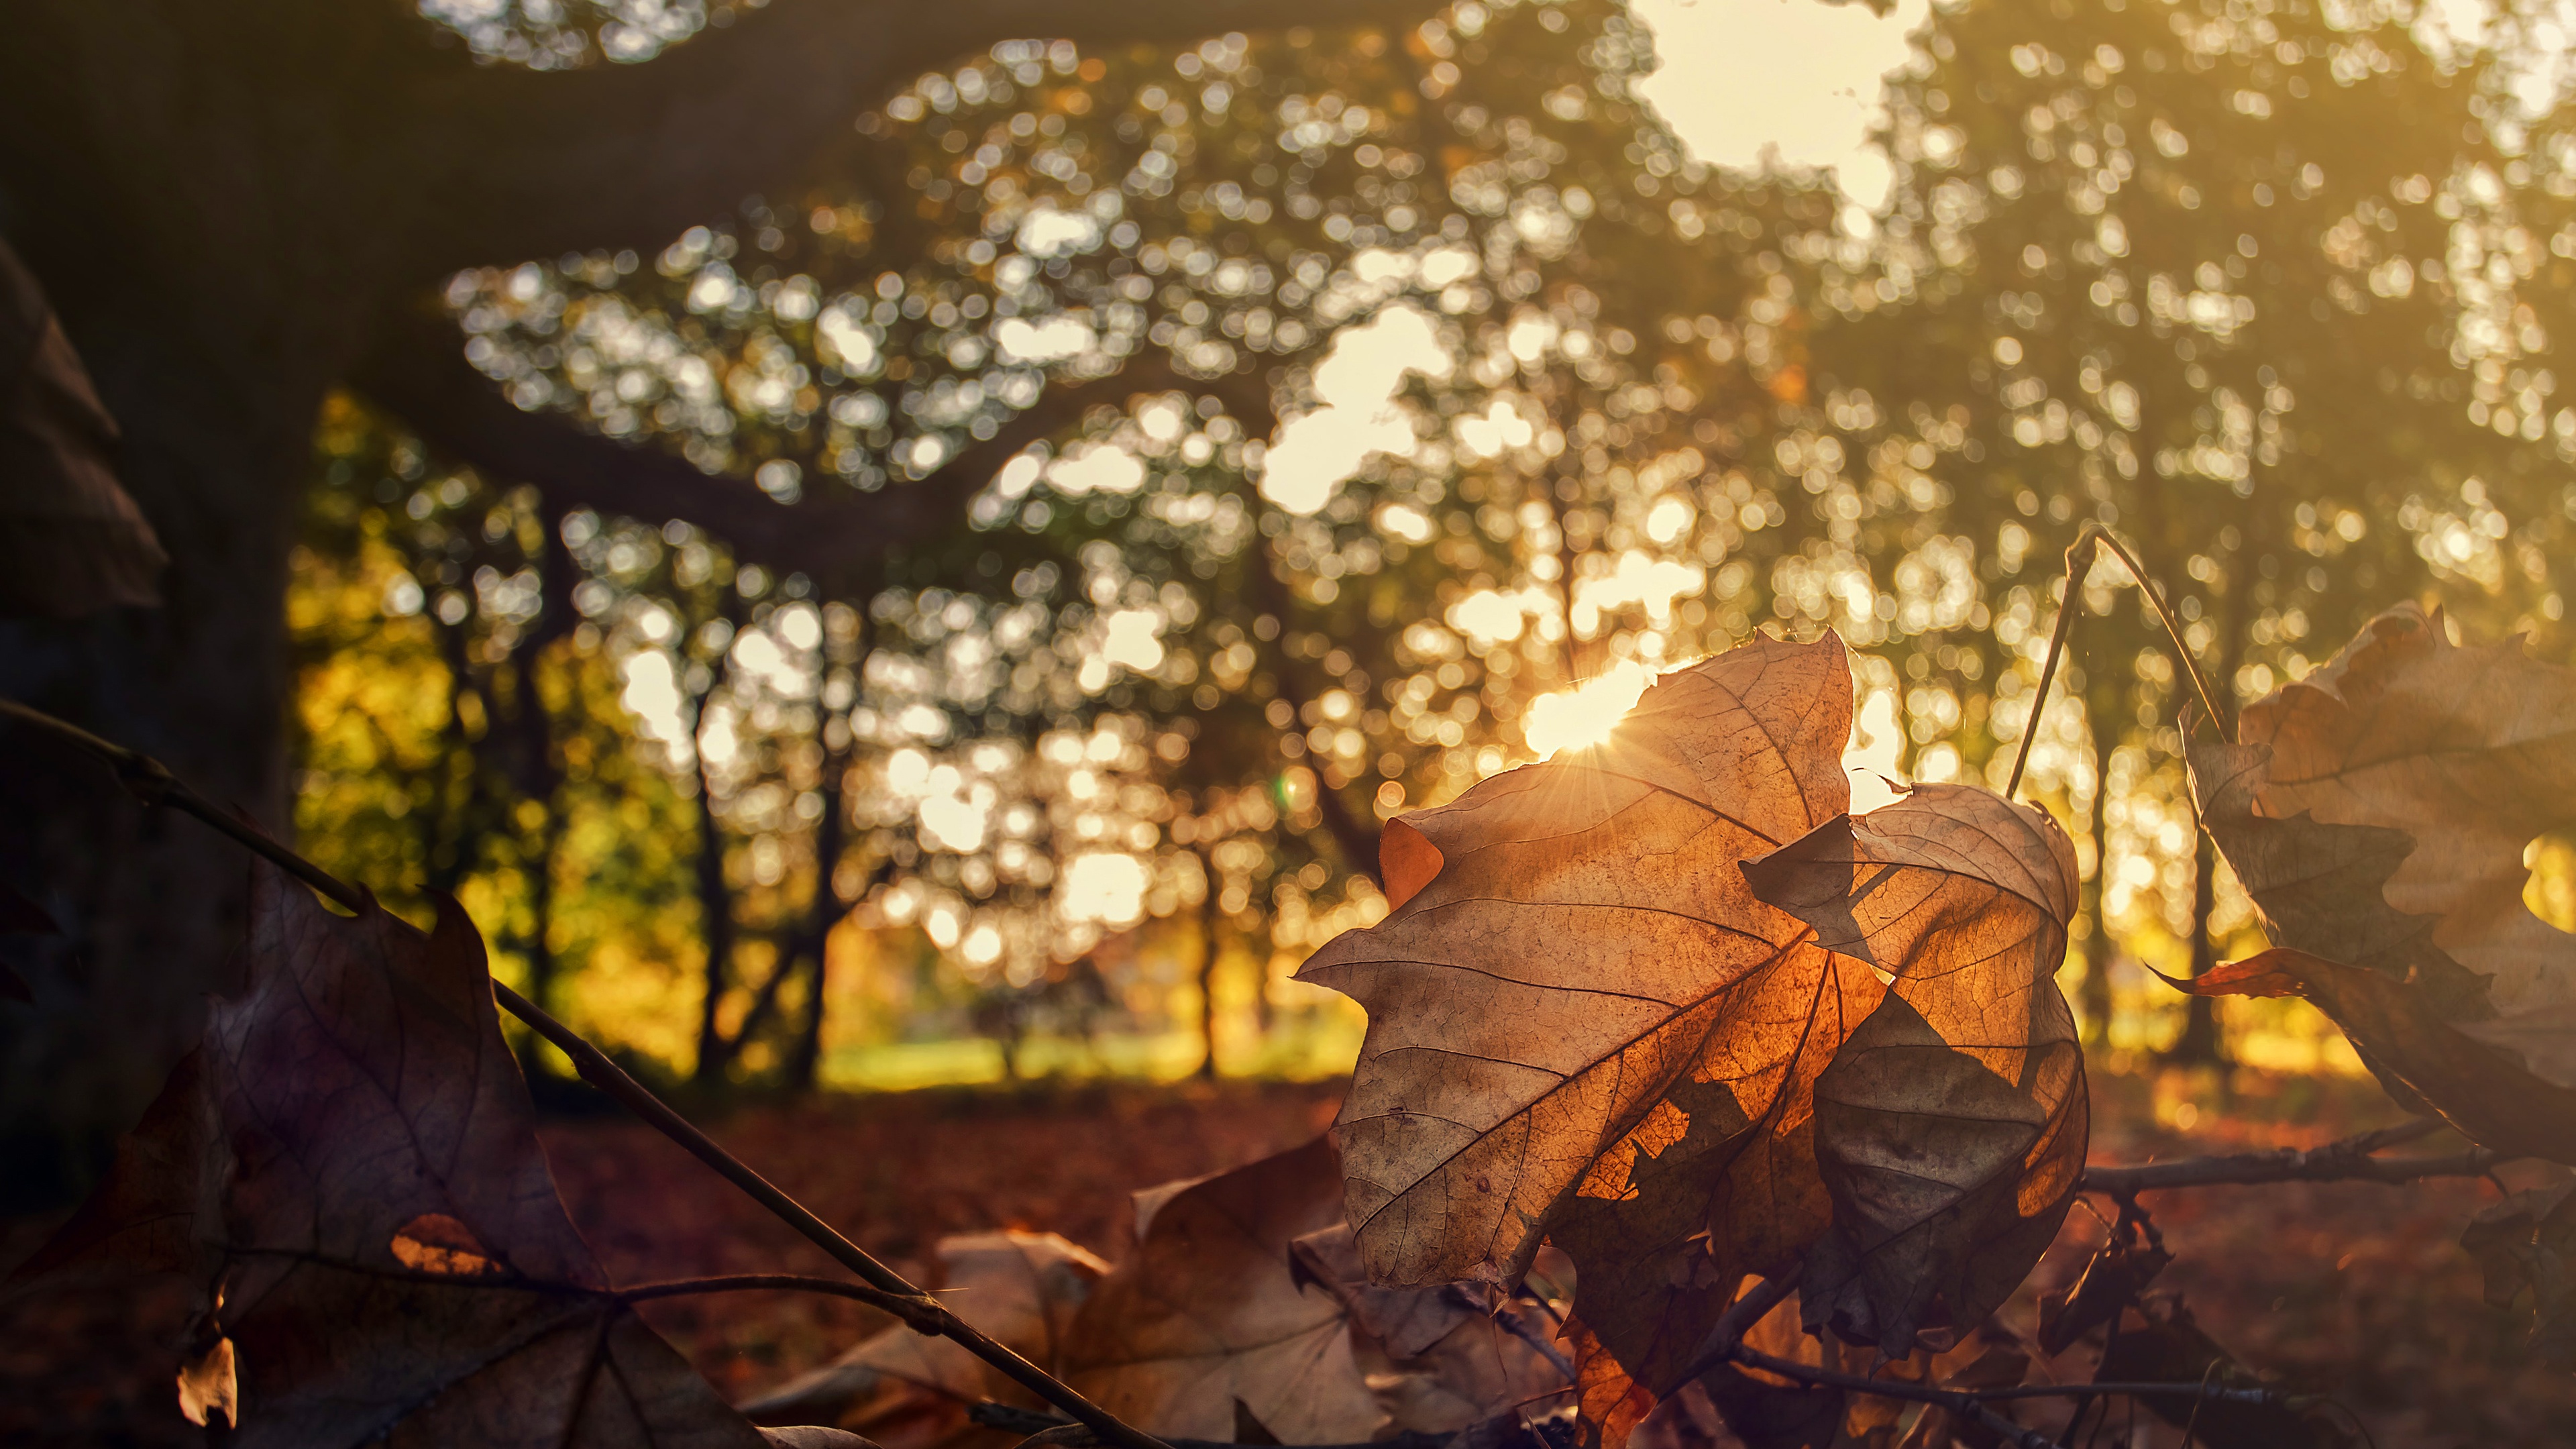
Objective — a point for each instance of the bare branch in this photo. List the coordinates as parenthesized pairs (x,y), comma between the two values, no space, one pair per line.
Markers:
(1973,1403)
(2349,1160)
(523,163)
(1966,1406)
(918,1314)
(153,782)
(418,372)
(1060,1432)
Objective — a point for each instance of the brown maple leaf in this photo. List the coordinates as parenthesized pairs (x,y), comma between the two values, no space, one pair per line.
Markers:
(1443,1358)
(1206,1322)
(2377,811)
(347,1168)
(1021,1289)
(1582,940)
(1590,1018)
(1951,1125)
(2526,1248)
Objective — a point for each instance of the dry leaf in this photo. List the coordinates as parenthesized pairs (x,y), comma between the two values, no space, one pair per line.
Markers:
(1768,1411)
(2169,1348)
(1576,952)
(71,540)
(2526,1248)
(2472,1085)
(1951,1126)
(348,1167)
(1696,1197)
(208,1387)
(1207,1312)
(2111,1281)
(1440,1359)
(1589,1017)
(2378,811)
(1020,1289)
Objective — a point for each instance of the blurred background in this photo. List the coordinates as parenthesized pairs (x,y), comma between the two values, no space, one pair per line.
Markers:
(965,611)
(1605,337)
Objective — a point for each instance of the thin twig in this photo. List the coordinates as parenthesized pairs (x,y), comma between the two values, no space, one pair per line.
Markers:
(1736,1321)
(2214,1393)
(1964,1404)
(1012,1419)
(2349,1160)
(906,1308)
(2079,562)
(2155,596)
(1522,1329)
(153,783)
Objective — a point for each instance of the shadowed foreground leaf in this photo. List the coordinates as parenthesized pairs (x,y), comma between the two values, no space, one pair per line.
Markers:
(1206,1313)
(1021,1289)
(2378,811)
(71,540)
(2170,1348)
(1951,1126)
(2526,1248)
(1444,1358)
(2475,1087)
(347,1168)
(1591,1018)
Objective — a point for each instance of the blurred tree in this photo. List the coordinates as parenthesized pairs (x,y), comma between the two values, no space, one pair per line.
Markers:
(2241,282)
(1479,209)
(1566,406)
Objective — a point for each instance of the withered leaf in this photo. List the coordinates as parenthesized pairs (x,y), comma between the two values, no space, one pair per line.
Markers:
(72,540)
(1207,1312)
(1020,1289)
(209,1394)
(2473,1086)
(352,1155)
(2377,811)
(1575,952)
(1443,1358)
(2526,1247)
(1951,1126)
(1697,1196)
(2111,1281)
(2170,1348)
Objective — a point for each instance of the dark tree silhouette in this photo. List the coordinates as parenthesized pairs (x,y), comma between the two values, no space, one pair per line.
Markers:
(236,209)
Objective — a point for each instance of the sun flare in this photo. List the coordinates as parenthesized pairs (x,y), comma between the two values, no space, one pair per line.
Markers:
(1584,716)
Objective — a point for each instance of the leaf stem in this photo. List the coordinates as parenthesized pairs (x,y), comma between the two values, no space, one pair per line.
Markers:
(1966,1404)
(2079,562)
(152,782)
(2226,722)
(909,1309)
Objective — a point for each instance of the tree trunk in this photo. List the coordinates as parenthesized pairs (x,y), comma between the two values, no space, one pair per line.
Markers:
(1208,916)
(178,177)
(2200,1042)
(150,904)
(2095,990)
(715,896)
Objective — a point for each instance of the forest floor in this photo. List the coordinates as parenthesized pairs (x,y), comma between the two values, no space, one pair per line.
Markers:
(2355,1290)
